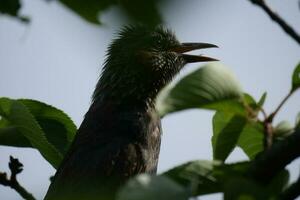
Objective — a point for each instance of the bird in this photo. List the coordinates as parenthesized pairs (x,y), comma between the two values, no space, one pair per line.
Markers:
(120,135)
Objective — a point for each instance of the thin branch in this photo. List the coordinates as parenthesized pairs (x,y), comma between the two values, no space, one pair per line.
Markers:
(275,17)
(273,160)
(15,167)
(273,114)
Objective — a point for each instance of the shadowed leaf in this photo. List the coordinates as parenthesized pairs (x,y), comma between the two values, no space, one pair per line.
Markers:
(296,78)
(17,115)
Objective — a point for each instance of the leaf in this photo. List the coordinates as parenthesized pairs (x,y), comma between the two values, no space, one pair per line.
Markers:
(256,106)
(12,8)
(89,10)
(147,12)
(227,128)
(251,139)
(211,87)
(18,116)
(59,129)
(297,122)
(205,177)
(296,78)
(283,128)
(58,126)
(262,100)
(149,187)
(142,11)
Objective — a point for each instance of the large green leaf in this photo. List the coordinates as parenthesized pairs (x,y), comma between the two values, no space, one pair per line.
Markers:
(19,127)
(251,139)
(149,187)
(227,128)
(59,129)
(296,78)
(143,11)
(212,87)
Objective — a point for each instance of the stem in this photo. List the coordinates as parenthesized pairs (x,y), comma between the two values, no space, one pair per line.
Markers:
(276,18)
(273,114)
(15,167)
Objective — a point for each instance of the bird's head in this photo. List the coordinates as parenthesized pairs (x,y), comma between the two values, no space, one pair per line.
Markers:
(141,61)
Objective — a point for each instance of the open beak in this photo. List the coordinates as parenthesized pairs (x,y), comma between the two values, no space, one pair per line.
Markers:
(185,47)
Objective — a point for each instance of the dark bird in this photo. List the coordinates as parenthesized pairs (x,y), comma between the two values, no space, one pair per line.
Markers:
(121,132)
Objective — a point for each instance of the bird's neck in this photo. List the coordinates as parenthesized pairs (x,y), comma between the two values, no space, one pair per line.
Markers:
(125,91)
(125,98)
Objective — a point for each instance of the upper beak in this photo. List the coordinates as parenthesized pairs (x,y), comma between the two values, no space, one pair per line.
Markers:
(185,47)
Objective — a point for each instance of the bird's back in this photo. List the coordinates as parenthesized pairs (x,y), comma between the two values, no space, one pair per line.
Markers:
(110,146)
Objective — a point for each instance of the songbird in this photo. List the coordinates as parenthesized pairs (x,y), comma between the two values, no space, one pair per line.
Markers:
(121,132)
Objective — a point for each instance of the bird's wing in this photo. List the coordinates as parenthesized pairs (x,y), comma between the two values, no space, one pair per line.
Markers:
(102,157)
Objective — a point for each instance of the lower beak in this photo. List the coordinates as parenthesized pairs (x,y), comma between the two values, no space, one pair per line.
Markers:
(185,47)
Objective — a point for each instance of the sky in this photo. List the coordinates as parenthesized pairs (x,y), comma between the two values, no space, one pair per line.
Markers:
(57,59)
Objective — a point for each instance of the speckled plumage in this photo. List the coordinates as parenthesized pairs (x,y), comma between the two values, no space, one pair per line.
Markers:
(120,134)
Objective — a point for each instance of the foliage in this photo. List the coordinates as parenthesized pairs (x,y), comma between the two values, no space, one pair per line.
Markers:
(29,123)
(12,8)
(139,11)
(239,122)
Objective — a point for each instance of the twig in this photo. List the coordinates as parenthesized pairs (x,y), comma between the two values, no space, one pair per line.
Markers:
(273,160)
(286,27)
(273,114)
(15,167)
(268,130)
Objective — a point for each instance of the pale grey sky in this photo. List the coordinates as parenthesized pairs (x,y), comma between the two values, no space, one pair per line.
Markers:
(57,59)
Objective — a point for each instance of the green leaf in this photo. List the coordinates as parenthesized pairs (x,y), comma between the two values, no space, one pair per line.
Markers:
(58,126)
(89,10)
(12,8)
(296,78)
(211,87)
(297,122)
(147,12)
(262,100)
(149,187)
(142,11)
(227,128)
(251,139)
(18,117)
(205,177)
(283,128)
(59,129)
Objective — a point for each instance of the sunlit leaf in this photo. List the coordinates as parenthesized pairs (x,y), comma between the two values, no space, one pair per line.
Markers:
(211,87)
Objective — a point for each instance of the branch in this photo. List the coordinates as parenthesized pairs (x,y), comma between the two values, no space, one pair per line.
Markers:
(276,18)
(272,161)
(15,167)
